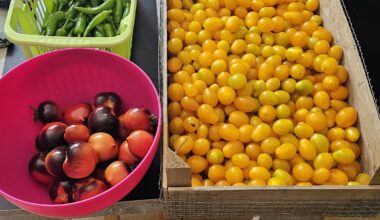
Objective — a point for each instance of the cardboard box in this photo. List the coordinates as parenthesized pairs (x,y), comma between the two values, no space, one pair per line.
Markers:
(181,200)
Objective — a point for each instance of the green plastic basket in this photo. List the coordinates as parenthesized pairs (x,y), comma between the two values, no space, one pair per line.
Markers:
(24,21)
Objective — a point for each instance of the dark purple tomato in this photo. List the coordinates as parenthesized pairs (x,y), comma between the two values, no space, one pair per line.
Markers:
(77,114)
(52,135)
(81,160)
(87,188)
(48,111)
(60,191)
(109,99)
(38,171)
(54,161)
(38,144)
(102,119)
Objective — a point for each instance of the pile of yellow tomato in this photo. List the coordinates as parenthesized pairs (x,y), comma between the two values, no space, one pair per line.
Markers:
(257,95)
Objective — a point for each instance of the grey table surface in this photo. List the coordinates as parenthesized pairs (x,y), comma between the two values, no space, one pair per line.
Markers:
(145,55)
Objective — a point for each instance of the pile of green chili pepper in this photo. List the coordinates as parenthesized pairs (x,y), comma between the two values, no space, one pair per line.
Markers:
(84,18)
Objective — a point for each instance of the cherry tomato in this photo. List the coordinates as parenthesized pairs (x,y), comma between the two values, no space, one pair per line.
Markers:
(87,188)
(38,171)
(109,99)
(77,132)
(80,161)
(48,111)
(52,135)
(104,145)
(77,114)
(138,119)
(139,142)
(116,172)
(60,191)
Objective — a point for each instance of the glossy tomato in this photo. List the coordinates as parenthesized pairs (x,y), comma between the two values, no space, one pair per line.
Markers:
(77,114)
(139,142)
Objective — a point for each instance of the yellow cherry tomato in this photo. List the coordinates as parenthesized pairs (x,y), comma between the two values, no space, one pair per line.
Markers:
(346,117)
(286,151)
(240,160)
(253,151)
(184,144)
(234,175)
(216,172)
(215,156)
(303,172)
(283,126)
(233,147)
(338,177)
(259,173)
(260,132)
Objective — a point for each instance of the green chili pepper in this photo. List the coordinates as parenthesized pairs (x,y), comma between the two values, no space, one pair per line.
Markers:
(118,12)
(62,4)
(82,2)
(61,31)
(95,3)
(52,23)
(55,6)
(98,33)
(110,20)
(100,28)
(71,33)
(98,19)
(127,9)
(96,10)
(108,30)
(72,12)
(80,26)
(68,23)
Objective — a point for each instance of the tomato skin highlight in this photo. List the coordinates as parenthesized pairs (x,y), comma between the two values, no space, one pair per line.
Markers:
(77,114)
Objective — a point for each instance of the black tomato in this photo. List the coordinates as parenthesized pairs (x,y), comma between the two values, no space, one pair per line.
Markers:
(60,191)
(102,119)
(38,171)
(52,135)
(54,161)
(87,188)
(110,99)
(48,111)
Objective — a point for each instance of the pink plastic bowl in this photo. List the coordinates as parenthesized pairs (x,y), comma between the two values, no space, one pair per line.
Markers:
(67,76)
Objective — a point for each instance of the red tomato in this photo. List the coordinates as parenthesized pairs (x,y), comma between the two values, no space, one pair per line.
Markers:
(139,142)
(136,119)
(77,114)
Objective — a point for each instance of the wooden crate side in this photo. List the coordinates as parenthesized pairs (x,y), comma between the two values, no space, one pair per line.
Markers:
(175,171)
(220,202)
(360,94)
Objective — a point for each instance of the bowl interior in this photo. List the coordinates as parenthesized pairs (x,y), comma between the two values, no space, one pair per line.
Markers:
(67,77)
